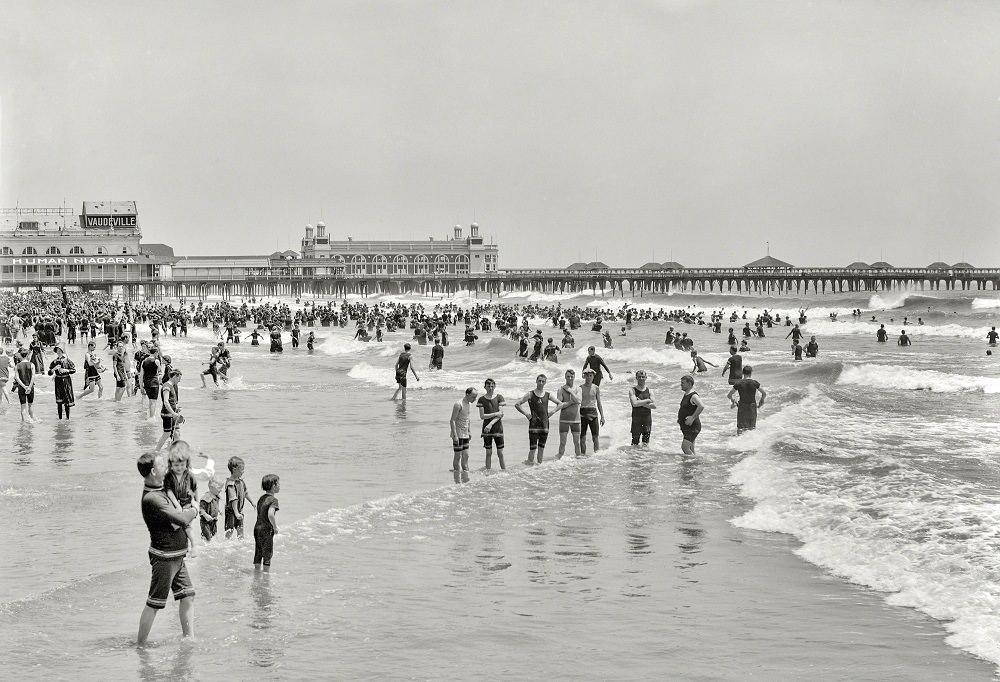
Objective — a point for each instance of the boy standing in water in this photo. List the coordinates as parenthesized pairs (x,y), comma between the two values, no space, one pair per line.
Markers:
(267,526)
(236,494)
(209,510)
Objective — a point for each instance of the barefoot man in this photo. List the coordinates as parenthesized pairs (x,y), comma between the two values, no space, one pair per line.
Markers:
(404,363)
(460,433)
(167,547)
(688,414)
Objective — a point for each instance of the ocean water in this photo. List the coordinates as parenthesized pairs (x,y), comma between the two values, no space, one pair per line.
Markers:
(853,535)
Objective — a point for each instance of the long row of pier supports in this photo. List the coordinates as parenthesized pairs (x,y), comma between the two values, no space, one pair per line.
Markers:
(601,286)
(614,283)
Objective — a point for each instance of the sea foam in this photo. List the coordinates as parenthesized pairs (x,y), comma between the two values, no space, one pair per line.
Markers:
(901,378)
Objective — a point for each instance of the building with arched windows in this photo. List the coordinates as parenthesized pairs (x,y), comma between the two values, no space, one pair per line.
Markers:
(457,255)
(57,246)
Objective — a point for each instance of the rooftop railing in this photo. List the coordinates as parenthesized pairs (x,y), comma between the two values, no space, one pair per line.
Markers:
(18,211)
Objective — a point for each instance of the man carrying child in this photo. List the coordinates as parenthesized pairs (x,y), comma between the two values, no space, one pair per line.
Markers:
(168,545)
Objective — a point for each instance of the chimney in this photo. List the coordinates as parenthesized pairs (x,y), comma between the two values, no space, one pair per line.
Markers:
(458,232)
(309,231)
(320,229)
(474,230)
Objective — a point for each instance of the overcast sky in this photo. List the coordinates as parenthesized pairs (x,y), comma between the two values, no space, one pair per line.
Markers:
(619,131)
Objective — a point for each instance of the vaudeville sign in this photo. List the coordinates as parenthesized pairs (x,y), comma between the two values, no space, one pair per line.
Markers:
(109,221)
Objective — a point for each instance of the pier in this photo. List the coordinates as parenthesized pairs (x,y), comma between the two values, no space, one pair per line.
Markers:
(296,281)
(299,278)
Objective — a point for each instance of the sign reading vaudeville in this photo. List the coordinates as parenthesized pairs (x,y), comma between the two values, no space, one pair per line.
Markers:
(113,221)
(68,260)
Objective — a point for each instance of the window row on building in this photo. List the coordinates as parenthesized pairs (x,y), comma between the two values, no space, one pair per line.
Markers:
(56,251)
(402,265)
(58,270)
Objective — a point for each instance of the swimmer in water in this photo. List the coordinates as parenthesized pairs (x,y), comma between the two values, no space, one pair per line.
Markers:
(437,355)
(404,364)
(642,405)
(537,413)
(569,416)
(491,412)
(460,432)
(688,414)
(700,363)
(734,365)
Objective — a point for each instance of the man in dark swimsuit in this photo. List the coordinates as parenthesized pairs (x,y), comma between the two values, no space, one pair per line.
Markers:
(734,365)
(688,414)
(642,404)
(746,408)
(491,412)
(151,378)
(537,415)
(403,364)
(167,548)
(596,363)
(437,355)
(812,348)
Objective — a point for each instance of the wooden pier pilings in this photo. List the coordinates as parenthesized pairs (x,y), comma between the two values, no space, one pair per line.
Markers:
(287,282)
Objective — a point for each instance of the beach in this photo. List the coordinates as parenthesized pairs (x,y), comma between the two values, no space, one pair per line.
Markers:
(851,536)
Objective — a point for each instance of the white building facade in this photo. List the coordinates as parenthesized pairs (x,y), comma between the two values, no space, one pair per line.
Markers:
(457,255)
(59,246)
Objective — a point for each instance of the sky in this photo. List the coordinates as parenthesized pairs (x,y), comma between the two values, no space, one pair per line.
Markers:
(704,132)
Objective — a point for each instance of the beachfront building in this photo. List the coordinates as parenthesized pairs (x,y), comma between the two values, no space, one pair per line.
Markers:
(95,247)
(456,255)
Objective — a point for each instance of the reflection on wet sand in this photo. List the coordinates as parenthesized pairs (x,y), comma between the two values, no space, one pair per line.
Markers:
(62,443)
(491,557)
(167,661)
(265,646)
(536,541)
(692,532)
(23,442)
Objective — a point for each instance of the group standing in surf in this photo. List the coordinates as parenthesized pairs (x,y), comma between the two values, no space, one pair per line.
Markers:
(38,329)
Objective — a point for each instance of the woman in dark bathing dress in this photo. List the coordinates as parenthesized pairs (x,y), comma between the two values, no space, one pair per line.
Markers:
(62,368)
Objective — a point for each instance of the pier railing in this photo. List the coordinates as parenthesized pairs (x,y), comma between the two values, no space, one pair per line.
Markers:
(295,276)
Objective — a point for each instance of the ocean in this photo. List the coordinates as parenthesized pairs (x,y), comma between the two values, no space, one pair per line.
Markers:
(852,536)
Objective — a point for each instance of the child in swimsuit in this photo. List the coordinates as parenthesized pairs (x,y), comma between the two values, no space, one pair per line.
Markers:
(181,487)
